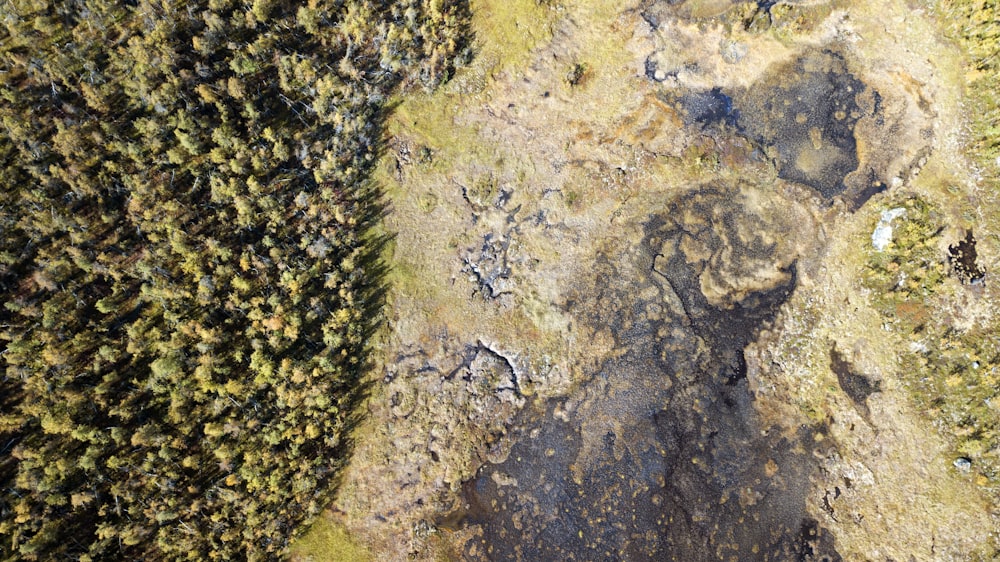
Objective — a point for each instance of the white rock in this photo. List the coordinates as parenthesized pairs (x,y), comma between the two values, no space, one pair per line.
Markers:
(882,234)
(733,51)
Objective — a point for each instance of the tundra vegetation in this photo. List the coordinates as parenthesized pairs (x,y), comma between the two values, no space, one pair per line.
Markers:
(975,26)
(954,371)
(188,270)
(189,256)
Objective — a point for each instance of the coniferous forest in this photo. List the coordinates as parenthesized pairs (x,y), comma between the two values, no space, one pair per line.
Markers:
(187,268)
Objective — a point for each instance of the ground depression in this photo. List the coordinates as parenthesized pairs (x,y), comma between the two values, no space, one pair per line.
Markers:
(660,455)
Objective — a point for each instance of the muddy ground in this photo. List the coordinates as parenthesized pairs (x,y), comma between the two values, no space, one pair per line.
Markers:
(628,320)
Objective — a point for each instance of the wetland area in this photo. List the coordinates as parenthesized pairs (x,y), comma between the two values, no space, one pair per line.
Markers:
(639,306)
(500,280)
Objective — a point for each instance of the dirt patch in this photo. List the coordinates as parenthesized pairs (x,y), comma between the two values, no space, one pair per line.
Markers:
(857,386)
(962,257)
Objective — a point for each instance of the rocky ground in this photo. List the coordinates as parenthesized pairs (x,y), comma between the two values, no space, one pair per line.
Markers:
(637,308)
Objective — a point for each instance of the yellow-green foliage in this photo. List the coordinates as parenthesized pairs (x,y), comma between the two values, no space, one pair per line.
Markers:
(784,20)
(508,30)
(975,25)
(911,268)
(957,375)
(328,540)
(188,274)
(953,376)
(956,379)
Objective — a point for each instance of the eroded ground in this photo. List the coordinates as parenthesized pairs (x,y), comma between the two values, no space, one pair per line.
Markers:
(637,312)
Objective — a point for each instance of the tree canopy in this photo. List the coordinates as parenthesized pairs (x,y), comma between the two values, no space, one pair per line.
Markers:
(187,272)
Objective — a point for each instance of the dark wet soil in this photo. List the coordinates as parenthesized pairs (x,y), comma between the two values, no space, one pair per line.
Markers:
(661,455)
(856,386)
(664,458)
(709,108)
(806,112)
(962,256)
(802,115)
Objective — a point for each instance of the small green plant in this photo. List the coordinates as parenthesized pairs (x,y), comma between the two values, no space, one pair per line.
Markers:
(952,375)
(577,75)
(956,378)
(910,267)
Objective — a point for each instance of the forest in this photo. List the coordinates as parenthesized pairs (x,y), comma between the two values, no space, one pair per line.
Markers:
(189,274)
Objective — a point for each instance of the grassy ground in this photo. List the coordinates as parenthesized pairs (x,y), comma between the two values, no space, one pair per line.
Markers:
(505,32)
(328,540)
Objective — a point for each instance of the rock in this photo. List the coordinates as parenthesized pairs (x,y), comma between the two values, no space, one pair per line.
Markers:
(963,464)
(882,234)
(489,267)
(733,51)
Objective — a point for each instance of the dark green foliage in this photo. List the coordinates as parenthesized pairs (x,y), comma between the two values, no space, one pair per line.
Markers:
(187,276)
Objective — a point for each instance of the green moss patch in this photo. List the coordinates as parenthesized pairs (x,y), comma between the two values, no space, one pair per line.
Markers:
(975,26)
(953,376)
(328,540)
